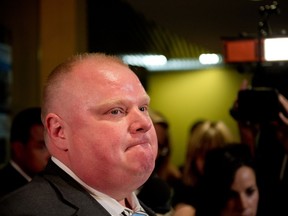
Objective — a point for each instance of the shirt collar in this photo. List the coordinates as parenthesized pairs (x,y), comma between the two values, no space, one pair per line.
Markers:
(110,204)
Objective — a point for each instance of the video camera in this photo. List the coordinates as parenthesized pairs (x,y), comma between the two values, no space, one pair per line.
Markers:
(257,105)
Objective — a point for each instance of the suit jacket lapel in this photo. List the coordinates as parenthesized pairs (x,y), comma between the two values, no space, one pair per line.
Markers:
(72,193)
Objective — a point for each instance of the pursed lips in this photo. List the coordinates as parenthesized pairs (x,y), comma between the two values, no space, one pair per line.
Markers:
(136,142)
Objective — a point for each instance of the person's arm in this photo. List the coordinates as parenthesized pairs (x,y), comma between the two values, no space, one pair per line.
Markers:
(284,103)
(249,134)
(248,131)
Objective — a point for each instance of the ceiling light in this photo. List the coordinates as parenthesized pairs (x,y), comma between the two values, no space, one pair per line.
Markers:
(144,60)
(275,49)
(161,63)
(208,59)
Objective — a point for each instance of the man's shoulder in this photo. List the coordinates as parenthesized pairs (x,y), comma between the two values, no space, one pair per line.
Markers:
(37,195)
(37,184)
(11,179)
(50,195)
(7,168)
(9,172)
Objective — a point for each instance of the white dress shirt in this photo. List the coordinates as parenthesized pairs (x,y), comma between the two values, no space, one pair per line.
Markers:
(110,204)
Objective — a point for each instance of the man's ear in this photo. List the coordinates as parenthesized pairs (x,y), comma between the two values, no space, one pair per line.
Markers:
(55,129)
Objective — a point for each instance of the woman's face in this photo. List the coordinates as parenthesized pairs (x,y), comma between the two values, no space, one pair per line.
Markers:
(243,200)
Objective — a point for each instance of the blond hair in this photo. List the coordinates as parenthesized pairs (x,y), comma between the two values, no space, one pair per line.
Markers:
(206,136)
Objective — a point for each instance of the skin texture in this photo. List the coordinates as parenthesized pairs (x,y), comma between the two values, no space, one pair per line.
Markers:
(244,194)
(98,125)
(32,156)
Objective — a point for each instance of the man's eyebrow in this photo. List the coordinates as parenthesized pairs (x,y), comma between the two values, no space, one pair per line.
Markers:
(144,99)
(121,101)
(117,101)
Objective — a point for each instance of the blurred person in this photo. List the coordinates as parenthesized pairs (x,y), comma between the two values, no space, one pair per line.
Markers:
(229,184)
(101,138)
(28,153)
(204,136)
(158,190)
(268,141)
(164,167)
(157,193)
(208,135)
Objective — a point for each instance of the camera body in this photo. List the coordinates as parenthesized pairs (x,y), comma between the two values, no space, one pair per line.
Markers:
(258,105)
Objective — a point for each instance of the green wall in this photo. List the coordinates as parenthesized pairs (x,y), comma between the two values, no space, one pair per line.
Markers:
(185,97)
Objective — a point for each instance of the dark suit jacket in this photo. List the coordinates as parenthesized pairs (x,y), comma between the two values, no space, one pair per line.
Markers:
(10,179)
(53,192)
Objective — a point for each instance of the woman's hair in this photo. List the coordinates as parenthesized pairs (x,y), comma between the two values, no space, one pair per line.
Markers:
(203,137)
(164,148)
(219,172)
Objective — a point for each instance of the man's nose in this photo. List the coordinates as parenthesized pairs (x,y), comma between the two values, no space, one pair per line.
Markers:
(140,121)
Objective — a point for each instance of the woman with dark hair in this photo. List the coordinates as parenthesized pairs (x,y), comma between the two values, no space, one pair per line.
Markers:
(204,136)
(229,184)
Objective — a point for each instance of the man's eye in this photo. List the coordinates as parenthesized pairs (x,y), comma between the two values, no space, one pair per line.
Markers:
(116,111)
(143,108)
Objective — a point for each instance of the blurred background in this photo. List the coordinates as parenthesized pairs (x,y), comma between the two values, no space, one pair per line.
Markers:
(206,22)
(36,35)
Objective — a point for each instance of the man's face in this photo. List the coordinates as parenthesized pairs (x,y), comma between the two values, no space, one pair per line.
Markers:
(35,155)
(111,139)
